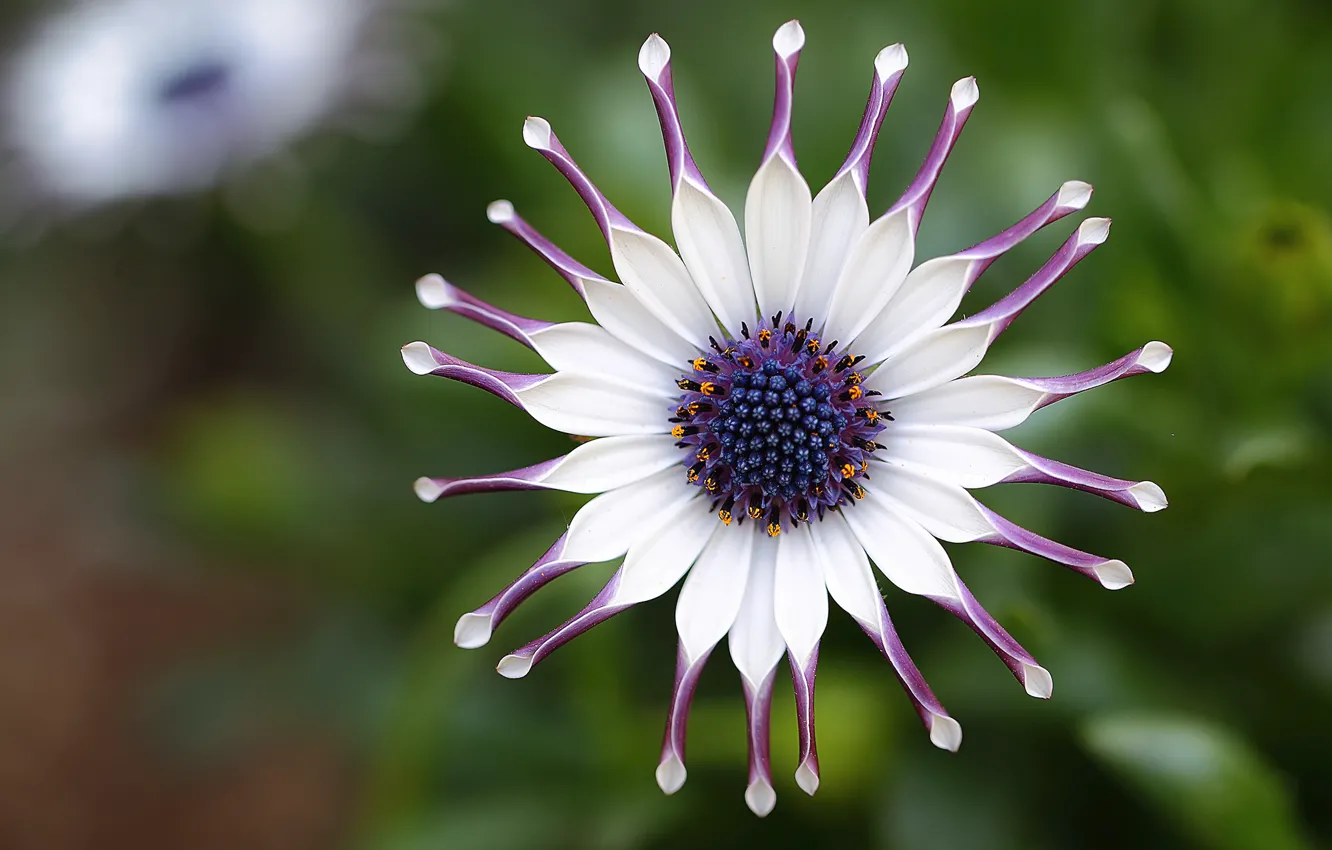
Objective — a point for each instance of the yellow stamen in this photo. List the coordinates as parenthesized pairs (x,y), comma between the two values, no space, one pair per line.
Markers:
(725,516)
(848,470)
(677,432)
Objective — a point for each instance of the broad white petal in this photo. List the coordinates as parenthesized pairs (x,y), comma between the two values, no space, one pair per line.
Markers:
(607,526)
(799,597)
(777,226)
(755,642)
(930,360)
(590,407)
(878,264)
(846,569)
(713,590)
(591,350)
(658,560)
(839,217)
(712,250)
(908,555)
(659,279)
(617,310)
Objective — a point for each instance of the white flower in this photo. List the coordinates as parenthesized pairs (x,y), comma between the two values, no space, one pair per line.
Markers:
(822,396)
(130,98)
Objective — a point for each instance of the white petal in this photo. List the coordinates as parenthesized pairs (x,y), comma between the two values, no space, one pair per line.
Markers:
(777,226)
(591,350)
(878,264)
(756,644)
(944,510)
(846,569)
(611,462)
(840,215)
(589,407)
(984,401)
(908,555)
(930,360)
(927,298)
(968,457)
(799,597)
(617,310)
(711,596)
(608,525)
(659,279)
(658,560)
(711,247)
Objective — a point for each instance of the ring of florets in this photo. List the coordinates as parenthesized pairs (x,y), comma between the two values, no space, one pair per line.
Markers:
(777,424)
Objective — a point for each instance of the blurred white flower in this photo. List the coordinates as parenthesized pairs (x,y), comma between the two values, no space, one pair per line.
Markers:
(121,99)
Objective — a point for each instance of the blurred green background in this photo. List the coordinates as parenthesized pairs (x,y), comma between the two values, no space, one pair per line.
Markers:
(226,621)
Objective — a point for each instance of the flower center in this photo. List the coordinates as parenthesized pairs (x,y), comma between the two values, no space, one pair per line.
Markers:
(778,424)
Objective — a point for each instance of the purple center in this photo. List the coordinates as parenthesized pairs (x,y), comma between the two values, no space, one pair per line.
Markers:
(777,425)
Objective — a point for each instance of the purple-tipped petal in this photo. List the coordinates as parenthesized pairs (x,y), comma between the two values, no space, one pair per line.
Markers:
(787,43)
(889,66)
(654,60)
(803,675)
(777,208)
(422,359)
(594,467)
(840,213)
(705,230)
(997,403)
(973,458)
(961,100)
(435,293)
(1110,573)
(941,355)
(851,584)
(475,627)
(759,795)
(671,769)
(603,606)
(1034,678)
(933,290)
(575,273)
(538,136)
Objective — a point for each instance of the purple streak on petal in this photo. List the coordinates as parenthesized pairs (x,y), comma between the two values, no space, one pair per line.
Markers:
(426,360)
(527,478)
(1013,536)
(891,60)
(1002,313)
(1152,357)
(654,60)
(475,627)
(758,711)
(1071,197)
(574,272)
(807,772)
(786,47)
(969,610)
(961,101)
(687,673)
(436,293)
(539,137)
(598,611)
(1041,470)
(918,690)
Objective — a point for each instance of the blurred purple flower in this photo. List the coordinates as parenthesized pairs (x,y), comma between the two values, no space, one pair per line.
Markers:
(804,378)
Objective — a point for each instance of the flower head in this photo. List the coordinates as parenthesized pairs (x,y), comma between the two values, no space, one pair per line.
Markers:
(118,99)
(776,412)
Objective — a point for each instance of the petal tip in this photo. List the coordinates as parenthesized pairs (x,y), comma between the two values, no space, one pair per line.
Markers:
(671,774)
(473,630)
(654,56)
(1093,231)
(1113,575)
(945,733)
(807,778)
(536,133)
(434,292)
(760,797)
(1149,496)
(789,38)
(417,357)
(514,666)
(1156,356)
(965,93)
(891,60)
(500,212)
(426,489)
(1037,681)
(1074,195)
